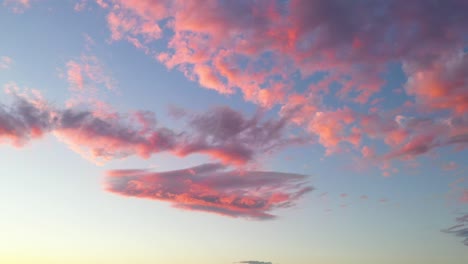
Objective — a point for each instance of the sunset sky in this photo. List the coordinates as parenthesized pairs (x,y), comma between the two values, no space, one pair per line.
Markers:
(234,131)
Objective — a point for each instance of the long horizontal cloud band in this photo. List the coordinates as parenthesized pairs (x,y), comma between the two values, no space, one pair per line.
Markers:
(213,188)
(221,133)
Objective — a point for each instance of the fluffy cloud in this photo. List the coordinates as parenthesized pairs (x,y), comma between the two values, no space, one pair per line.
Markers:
(442,84)
(257,47)
(24,120)
(213,188)
(252,44)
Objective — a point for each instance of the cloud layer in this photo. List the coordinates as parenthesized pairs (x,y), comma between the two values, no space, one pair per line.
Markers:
(213,188)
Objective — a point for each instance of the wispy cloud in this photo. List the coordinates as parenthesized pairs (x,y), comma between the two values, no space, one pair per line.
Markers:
(461,229)
(254,262)
(5,62)
(213,188)
(87,72)
(17,6)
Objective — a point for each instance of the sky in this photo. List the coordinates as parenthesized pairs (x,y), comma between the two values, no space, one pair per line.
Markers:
(218,131)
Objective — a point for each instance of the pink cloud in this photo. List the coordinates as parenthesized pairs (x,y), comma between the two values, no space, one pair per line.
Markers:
(221,133)
(450,166)
(213,188)
(17,6)
(330,127)
(262,48)
(103,139)
(80,6)
(255,48)
(5,62)
(301,108)
(412,136)
(86,73)
(26,119)
(442,84)
(75,75)
(464,196)
(367,152)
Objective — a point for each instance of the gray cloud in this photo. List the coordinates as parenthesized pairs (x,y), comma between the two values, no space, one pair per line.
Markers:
(254,262)
(461,229)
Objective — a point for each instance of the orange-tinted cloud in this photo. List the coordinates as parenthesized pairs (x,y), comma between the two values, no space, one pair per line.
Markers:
(441,85)
(213,188)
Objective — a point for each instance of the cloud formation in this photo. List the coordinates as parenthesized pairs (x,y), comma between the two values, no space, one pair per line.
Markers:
(301,35)
(234,139)
(461,229)
(5,62)
(17,6)
(221,133)
(257,47)
(337,50)
(213,188)
(86,72)
(253,262)
(24,120)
